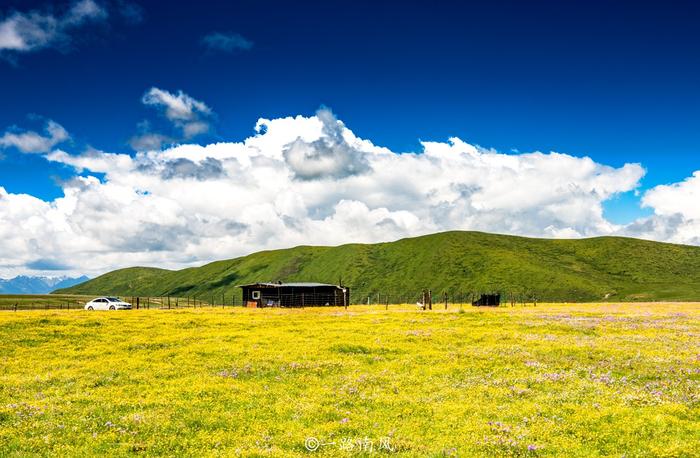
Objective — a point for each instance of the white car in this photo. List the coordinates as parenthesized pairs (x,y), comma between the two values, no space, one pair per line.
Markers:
(107,303)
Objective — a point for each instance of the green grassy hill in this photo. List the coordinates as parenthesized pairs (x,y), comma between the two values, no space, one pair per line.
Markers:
(563,270)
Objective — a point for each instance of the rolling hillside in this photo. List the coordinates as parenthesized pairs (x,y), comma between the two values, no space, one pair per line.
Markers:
(563,270)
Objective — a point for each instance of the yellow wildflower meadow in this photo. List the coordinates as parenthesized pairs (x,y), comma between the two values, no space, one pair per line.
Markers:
(551,380)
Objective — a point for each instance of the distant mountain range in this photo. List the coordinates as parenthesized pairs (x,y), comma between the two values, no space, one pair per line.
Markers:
(602,268)
(23,284)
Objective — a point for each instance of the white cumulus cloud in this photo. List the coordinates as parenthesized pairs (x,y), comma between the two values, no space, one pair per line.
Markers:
(178,107)
(189,115)
(329,156)
(676,215)
(35,30)
(34,142)
(299,180)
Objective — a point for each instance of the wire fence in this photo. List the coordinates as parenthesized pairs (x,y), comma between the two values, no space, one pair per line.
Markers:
(432,299)
(428,299)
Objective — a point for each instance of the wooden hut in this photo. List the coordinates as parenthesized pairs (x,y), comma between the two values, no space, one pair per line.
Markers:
(294,295)
(492,300)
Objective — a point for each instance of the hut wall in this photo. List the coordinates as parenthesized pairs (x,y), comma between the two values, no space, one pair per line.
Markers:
(296,296)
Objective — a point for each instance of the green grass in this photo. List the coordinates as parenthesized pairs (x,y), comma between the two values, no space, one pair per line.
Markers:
(39,301)
(579,380)
(601,268)
(77,302)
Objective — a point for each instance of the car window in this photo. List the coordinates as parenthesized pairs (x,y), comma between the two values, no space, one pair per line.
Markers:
(113,299)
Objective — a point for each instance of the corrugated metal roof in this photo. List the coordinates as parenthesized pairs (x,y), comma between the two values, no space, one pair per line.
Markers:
(293,285)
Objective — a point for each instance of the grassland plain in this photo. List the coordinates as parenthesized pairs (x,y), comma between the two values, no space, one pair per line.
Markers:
(39,301)
(75,301)
(552,380)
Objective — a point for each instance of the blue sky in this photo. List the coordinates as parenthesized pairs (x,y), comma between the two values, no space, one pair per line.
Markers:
(615,81)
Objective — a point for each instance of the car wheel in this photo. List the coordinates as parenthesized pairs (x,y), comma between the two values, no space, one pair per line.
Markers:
(111,307)
(90,308)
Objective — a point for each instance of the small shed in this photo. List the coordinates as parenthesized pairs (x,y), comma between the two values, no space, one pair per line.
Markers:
(294,295)
(492,300)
